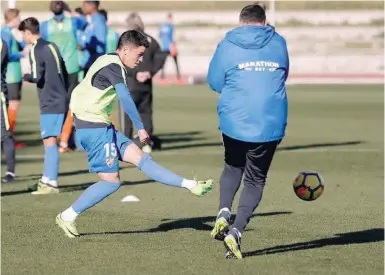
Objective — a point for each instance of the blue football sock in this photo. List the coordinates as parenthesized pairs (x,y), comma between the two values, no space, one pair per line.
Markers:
(158,173)
(94,194)
(51,162)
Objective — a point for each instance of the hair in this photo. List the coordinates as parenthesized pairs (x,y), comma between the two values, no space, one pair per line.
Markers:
(10,14)
(169,15)
(261,4)
(56,7)
(104,13)
(133,37)
(95,3)
(252,14)
(30,24)
(79,10)
(134,22)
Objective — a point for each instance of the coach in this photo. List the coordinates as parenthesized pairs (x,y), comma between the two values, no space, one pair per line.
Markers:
(248,71)
(139,82)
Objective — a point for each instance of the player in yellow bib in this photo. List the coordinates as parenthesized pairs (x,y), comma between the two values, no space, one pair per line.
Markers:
(91,104)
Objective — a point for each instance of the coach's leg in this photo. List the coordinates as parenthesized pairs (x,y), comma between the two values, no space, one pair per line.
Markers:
(235,159)
(145,111)
(258,162)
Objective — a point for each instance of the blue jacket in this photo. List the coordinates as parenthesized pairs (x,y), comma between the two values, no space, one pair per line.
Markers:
(249,70)
(166,34)
(94,38)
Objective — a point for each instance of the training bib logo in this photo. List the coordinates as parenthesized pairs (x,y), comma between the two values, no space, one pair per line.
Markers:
(259,66)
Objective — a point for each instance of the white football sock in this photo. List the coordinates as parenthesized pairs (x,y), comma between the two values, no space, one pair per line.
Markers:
(189,184)
(224,209)
(69,215)
(53,183)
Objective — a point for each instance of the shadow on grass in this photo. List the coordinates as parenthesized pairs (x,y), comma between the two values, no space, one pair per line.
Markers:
(198,223)
(280,148)
(365,236)
(75,172)
(73,188)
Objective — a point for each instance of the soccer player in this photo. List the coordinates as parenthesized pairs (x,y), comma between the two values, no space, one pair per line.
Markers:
(14,75)
(95,34)
(166,34)
(61,31)
(49,74)
(112,36)
(91,104)
(7,142)
(252,112)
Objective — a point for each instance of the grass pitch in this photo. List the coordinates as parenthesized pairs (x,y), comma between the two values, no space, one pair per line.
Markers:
(336,130)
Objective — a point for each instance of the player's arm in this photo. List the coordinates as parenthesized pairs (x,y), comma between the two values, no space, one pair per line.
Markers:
(38,65)
(116,76)
(216,73)
(8,40)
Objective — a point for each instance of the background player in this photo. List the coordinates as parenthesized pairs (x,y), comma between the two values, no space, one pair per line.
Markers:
(49,74)
(252,112)
(112,35)
(61,31)
(14,74)
(166,34)
(91,104)
(7,142)
(95,34)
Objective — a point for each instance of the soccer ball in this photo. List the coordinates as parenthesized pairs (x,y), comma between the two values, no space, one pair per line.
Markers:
(308,185)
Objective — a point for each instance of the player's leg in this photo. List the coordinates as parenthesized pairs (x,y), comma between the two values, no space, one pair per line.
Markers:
(176,66)
(8,144)
(50,126)
(131,153)
(230,180)
(258,162)
(73,81)
(103,159)
(14,96)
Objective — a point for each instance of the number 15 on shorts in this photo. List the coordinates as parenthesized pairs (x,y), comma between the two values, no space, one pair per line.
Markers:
(111,153)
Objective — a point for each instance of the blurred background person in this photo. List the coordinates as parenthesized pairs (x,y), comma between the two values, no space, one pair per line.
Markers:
(62,31)
(166,35)
(112,35)
(94,36)
(139,82)
(14,74)
(7,142)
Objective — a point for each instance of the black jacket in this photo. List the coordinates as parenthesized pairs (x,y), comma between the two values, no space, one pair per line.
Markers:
(153,61)
(4,63)
(50,75)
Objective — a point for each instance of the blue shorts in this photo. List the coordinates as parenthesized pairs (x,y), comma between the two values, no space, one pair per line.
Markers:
(51,125)
(104,147)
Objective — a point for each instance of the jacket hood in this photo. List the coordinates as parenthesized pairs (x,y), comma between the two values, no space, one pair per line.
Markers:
(250,37)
